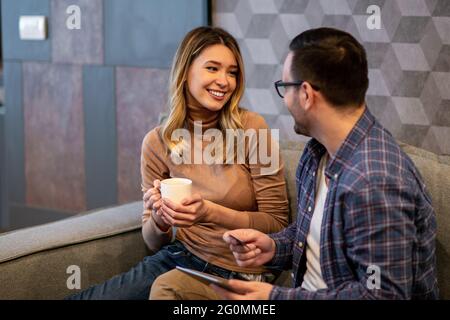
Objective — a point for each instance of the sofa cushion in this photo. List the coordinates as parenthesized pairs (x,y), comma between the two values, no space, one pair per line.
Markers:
(101,243)
(435,171)
(45,274)
(291,152)
(85,227)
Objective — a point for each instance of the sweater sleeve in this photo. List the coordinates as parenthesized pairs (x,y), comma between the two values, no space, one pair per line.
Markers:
(267,172)
(152,168)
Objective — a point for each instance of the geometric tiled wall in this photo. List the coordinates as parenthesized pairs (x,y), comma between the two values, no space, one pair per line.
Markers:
(409,58)
(78,104)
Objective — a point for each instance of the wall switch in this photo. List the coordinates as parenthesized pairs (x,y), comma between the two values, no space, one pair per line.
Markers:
(33,27)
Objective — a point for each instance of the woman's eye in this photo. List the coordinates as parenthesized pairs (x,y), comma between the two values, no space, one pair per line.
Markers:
(211,68)
(233,73)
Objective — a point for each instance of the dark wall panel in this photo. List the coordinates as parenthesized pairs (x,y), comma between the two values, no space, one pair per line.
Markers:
(54,136)
(22,216)
(100,136)
(13,47)
(84,45)
(4,218)
(141,97)
(147,32)
(14,131)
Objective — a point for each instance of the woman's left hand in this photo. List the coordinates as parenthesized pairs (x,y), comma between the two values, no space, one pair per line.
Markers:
(191,210)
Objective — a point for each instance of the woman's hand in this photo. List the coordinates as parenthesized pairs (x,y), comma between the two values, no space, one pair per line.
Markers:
(152,201)
(152,198)
(190,211)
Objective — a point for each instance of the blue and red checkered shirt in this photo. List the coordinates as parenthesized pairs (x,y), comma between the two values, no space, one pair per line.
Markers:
(377,217)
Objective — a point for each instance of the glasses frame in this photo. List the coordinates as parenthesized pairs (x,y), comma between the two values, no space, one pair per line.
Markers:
(280,83)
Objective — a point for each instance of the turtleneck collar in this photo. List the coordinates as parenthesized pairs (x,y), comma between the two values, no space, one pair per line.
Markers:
(208,118)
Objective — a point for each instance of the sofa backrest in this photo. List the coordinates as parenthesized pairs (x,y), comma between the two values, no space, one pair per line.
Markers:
(435,171)
(35,262)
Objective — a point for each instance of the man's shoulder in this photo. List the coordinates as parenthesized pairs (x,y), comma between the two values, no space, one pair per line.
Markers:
(378,159)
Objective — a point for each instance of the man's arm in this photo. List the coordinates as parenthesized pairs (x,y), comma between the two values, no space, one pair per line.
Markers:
(380,231)
(283,247)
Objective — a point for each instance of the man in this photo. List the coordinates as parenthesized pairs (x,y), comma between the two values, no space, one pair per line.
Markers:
(365,227)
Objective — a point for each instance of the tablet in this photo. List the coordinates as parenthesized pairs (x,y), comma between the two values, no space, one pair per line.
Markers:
(207,278)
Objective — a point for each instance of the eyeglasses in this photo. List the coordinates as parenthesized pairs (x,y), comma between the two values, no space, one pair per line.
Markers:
(280,86)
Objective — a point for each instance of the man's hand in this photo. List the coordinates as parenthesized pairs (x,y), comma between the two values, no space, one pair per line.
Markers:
(248,290)
(257,250)
(190,211)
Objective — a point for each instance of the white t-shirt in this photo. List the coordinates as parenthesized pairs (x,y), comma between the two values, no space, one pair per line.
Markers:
(313,280)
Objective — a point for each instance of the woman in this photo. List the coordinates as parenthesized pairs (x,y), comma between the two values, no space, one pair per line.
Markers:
(206,86)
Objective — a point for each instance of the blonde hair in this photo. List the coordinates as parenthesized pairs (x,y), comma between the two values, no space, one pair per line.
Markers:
(190,48)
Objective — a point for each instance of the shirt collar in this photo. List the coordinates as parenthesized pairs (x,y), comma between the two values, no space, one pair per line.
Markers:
(345,151)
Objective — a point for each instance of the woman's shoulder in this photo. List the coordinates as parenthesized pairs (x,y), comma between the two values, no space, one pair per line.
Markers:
(253,120)
(153,139)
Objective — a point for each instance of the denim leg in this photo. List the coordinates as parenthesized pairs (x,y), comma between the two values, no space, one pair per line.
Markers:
(135,284)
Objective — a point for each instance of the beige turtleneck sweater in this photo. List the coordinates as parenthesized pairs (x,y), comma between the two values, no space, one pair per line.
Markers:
(241,196)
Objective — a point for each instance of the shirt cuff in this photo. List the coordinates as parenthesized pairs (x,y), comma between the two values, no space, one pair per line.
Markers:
(282,252)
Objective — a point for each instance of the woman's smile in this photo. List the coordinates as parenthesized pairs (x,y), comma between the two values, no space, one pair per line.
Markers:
(216,94)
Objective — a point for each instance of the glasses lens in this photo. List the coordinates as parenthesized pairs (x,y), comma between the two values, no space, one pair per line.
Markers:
(282,90)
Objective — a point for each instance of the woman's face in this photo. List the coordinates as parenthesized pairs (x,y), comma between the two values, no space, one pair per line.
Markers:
(212,78)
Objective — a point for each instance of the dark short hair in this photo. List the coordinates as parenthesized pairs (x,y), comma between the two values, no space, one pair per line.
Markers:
(334,61)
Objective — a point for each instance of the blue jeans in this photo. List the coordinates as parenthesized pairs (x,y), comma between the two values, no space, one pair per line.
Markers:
(136,283)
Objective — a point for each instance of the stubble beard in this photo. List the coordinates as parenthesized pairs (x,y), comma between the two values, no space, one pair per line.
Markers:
(298,127)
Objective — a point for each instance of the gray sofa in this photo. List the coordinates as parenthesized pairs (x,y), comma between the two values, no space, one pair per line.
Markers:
(34,261)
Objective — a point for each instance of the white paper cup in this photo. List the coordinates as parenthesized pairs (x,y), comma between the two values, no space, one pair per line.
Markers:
(176,189)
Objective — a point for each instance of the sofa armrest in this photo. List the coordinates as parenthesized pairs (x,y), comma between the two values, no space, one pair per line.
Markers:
(102,243)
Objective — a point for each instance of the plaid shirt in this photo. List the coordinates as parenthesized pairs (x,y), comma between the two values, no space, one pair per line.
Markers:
(377,213)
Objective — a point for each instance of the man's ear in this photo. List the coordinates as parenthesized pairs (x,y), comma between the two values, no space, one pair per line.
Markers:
(306,93)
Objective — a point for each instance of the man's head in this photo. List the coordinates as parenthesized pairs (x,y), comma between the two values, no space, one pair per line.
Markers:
(333,66)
